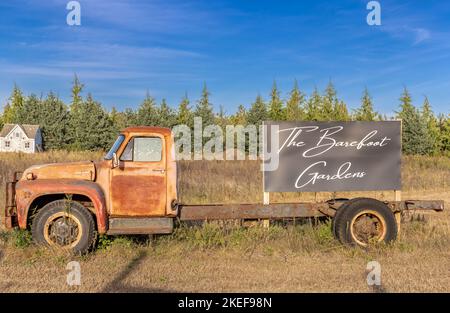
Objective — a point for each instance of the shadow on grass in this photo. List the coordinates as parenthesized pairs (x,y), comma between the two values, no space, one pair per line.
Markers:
(117,285)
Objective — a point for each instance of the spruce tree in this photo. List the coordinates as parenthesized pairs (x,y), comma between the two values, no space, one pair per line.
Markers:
(329,103)
(204,108)
(147,114)
(365,112)
(340,111)
(222,119)
(165,115)
(114,116)
(276,110)
(184,113)
(258,112)
(294,105)
(14,110)
(121,120)
(444,134)
(313,106)
(31,110)
(430,120)
(130,117)
(240,117)
(53,118)
(414,131)
(76,116)
(98,132)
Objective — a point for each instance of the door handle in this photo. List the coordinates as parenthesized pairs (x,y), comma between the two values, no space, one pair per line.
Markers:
(159,170)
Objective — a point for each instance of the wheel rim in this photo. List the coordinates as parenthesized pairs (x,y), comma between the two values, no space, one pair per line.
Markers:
(62,230)
(368,226)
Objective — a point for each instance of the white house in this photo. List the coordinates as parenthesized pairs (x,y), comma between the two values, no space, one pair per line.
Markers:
(21,137)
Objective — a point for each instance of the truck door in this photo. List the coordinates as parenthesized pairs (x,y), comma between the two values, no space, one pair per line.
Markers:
(138,184)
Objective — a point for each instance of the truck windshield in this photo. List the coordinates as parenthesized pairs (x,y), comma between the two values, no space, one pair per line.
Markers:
(114,147)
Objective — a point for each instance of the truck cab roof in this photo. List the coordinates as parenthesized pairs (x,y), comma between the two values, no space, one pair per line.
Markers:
(147,129)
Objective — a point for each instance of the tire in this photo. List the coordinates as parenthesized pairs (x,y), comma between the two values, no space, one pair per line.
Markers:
(337,217)
(362,221)
(65,224)
(339,212)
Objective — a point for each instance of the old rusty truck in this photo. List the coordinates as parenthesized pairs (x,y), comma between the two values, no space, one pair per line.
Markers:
(133,190)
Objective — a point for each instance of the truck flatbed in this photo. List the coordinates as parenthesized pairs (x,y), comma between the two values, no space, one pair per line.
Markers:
(289,210)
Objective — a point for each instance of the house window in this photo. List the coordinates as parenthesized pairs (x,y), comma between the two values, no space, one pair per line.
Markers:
(27,145)
(17,135)
(7,144)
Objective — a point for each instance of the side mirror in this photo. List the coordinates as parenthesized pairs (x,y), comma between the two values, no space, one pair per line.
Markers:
(115,161)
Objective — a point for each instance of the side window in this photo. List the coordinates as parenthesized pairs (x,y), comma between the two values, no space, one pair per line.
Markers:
(143,149)
(127,154)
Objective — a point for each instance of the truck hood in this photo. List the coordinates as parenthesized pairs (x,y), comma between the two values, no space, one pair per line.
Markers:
(73,170)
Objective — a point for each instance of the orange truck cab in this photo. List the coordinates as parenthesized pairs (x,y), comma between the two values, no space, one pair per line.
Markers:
(132,191)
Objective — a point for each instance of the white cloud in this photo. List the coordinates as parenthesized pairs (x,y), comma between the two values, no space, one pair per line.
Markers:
(421,34)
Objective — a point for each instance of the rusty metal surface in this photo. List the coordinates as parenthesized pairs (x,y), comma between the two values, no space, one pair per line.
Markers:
(146,130)
(139,188)
(154,196)
(103,179)
(10,216)
(142,194)
(17,175)
(10,194)
(435,205)
(9,222)
(71,170)
(399,206)
(171,179)
(153,225)
(133,194)
(29,190)
(328,211)
(251,211)
(288,210)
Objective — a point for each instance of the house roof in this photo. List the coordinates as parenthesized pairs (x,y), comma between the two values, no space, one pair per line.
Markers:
(29,130)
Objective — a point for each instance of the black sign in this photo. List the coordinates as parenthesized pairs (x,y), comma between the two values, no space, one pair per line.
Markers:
(333,156)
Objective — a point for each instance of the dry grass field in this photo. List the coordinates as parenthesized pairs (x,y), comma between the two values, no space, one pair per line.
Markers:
(225,257)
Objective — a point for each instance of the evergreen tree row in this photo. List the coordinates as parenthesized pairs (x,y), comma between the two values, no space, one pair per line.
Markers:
(84,124)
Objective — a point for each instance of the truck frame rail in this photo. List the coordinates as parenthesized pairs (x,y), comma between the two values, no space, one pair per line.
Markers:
(289,210)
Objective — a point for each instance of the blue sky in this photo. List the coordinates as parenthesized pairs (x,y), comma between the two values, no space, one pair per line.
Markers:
(125,48)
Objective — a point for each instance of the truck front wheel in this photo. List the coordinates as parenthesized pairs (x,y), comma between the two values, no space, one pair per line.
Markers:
(65,224)
(363,221)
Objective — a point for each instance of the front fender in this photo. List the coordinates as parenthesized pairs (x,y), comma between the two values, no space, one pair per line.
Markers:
(29,190)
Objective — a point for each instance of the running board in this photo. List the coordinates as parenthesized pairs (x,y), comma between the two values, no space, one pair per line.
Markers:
(136,226)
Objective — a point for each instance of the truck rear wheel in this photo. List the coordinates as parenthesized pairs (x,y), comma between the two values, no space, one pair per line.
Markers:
(363,221)
(65,224)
